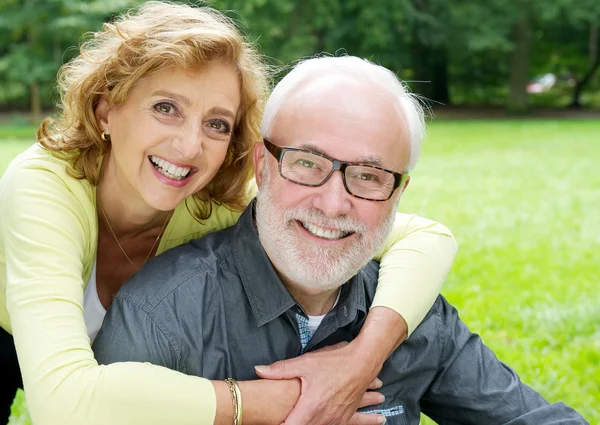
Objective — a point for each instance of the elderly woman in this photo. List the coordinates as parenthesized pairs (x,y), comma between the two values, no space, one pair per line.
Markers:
(158,114)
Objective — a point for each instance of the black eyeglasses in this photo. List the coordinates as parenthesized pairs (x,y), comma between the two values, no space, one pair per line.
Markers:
(308,168)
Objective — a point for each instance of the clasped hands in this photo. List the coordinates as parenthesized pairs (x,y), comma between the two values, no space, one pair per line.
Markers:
(334,384)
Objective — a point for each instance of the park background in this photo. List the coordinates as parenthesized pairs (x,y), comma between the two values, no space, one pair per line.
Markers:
(511,163)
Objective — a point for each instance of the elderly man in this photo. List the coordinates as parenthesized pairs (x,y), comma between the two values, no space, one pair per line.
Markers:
(293,275)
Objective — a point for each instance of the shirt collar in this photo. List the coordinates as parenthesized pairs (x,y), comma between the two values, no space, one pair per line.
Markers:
(268,296)
(352,300)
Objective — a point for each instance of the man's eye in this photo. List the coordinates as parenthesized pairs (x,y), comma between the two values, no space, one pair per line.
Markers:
(306,163)
(367,177)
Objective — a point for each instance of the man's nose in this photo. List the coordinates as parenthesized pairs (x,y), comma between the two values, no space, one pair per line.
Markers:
(332,198)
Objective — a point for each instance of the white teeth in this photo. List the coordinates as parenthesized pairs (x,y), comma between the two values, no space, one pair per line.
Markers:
(324,233)
(168,169)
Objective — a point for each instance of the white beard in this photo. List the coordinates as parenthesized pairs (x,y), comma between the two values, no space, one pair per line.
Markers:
(312,266)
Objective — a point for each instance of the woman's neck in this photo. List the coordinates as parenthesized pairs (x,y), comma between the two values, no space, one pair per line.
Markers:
(125,210)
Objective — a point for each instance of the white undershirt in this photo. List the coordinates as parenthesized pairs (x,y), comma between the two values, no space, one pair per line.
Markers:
(315,321)
(93,311)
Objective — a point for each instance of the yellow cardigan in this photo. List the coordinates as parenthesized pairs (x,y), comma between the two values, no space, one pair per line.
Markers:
(48,242)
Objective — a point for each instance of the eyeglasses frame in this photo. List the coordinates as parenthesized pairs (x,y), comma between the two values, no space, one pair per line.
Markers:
(279,151)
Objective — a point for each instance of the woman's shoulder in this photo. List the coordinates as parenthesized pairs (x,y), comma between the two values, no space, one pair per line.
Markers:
(39,159)
(38,171)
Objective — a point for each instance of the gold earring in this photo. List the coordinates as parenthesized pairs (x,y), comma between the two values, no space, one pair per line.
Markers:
(105,136)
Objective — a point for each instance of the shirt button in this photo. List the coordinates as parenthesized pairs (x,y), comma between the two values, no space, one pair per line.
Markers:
(345,311)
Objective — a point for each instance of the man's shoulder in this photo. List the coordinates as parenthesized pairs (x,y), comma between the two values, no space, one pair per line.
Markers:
(370,276)
(440,312)
(437,321)
(190,270)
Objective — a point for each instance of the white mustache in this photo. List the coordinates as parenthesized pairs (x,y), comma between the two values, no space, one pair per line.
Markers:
(317,218)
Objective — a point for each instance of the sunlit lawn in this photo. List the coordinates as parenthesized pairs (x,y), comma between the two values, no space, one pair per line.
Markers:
(523,200)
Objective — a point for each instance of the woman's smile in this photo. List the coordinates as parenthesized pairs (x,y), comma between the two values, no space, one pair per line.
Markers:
(172,170)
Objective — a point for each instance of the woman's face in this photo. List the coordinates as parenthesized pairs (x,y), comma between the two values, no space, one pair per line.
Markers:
(170,136)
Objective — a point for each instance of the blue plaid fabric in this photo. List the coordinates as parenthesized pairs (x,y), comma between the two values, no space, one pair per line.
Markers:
(305,332)
(392,411)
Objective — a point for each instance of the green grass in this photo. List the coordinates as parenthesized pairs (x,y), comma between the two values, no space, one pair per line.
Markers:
(523,200)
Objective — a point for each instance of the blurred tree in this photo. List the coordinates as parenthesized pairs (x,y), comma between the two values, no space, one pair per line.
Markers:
(450,51)
(586,16)
(520,60)
(37,32)
(429,47)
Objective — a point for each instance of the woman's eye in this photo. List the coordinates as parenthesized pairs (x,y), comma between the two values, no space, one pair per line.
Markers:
(165,108)
(220,126)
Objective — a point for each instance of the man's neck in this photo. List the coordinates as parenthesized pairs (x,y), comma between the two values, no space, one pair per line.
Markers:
(313,302)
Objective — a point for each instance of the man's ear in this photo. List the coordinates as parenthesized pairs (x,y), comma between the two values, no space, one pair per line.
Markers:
(405,185)
(101,112)
(260,160)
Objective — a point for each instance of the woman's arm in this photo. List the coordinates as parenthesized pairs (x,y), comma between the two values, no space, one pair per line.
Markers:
(415,261)
(45,231)
(416,258)
(45,234)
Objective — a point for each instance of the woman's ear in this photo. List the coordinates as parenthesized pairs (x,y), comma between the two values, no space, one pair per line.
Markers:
(101,112)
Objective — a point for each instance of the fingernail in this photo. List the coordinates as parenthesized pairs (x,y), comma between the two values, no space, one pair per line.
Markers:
(261,368)
(379,383)
(381,398)
(381,419)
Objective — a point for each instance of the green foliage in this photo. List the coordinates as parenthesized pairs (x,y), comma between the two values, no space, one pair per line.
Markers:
(462,47)
(34,39)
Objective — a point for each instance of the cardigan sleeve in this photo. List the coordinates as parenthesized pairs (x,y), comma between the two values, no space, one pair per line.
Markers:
(415,260)
(45,231)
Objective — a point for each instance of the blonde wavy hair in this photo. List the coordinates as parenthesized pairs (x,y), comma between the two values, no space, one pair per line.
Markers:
(155,37)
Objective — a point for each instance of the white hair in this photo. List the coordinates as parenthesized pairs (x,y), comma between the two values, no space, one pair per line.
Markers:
(363,70)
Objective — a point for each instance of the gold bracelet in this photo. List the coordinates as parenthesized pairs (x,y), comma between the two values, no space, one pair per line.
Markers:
(236,395)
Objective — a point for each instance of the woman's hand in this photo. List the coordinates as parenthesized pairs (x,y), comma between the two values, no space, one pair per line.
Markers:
(334,386)
(335,379)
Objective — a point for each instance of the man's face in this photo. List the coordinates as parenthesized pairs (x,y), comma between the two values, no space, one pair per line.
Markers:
(319,237)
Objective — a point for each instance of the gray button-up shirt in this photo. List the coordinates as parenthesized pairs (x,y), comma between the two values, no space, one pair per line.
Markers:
(215,308)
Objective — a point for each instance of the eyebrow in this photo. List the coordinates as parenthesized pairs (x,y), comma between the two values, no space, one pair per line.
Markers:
(187,102)
(178,97)
(222,111)
(370,159)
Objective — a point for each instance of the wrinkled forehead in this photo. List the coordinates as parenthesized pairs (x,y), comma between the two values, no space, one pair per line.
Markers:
(346,118)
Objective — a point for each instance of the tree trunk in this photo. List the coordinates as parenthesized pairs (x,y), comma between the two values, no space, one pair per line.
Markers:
(519,66)
(421,72)
(420,56)
(34,88)
(594,65)
(440,91)
(36,107)
(593,44)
